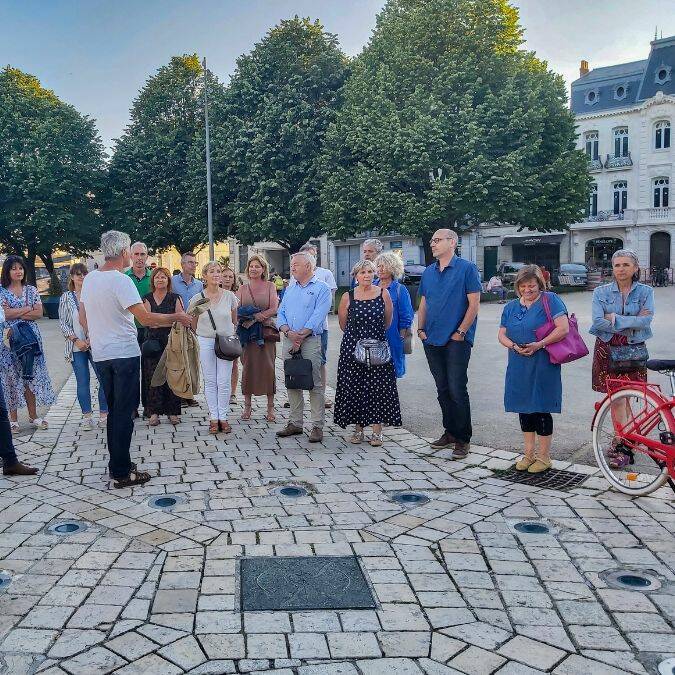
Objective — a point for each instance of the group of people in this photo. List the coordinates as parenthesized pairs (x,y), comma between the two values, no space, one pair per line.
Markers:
(117,319)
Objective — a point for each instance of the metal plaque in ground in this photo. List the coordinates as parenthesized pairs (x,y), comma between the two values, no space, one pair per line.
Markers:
(554,479)
(313,582)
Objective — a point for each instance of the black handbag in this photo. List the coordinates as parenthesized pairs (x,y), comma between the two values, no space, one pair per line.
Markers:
(627,358)
(298,373)
(151,347)
(226,347)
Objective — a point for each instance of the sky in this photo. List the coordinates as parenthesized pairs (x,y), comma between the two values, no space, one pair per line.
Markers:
(97,54)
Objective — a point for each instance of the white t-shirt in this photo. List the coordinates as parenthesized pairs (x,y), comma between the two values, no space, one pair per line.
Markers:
(106,297)
(325,275)
(221,312)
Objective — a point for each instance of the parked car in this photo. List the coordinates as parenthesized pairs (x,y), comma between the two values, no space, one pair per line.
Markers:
(507,272)
(412,274)
(571,274)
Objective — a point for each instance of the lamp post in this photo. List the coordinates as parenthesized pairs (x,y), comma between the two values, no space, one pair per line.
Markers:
(209,209)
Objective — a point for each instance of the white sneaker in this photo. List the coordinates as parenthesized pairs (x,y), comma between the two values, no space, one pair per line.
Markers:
(103,421)
(88,423)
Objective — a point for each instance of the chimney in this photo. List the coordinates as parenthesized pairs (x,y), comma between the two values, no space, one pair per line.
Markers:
(583,68)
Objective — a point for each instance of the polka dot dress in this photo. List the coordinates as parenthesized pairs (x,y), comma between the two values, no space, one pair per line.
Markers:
(364,395)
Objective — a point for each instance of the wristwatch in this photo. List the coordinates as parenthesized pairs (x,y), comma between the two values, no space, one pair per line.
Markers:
(459,331)
(420,330)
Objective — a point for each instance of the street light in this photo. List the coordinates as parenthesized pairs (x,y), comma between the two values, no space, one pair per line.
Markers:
(209,209)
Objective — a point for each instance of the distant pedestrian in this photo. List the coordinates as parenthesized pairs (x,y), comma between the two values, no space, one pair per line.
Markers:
(78,349)
(229,282)
(366,394)
(11,466)
(449,301)
(390,270)
(108,306)
(370,249)
(218,318)
(25,379)
(258,303)
(301,319)
(184,283)
(547,277)
(496,285)
(533,385)
(161,300)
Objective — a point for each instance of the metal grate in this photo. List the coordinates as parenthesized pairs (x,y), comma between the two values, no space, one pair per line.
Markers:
(554,479)
(319,582)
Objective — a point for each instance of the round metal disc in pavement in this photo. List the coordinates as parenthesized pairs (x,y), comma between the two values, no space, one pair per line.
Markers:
(67,527)
(667,667)
(292,491)
(532,527)
(410,498)
(631,580)
(165,502)
(5,580)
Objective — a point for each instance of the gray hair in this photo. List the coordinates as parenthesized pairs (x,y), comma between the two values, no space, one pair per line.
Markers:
(187,254)
(375,243)
(392,262)
(114,243)
(138,243)
(307,256)
(309,247)
(362,265)
(627,253)
(451,234)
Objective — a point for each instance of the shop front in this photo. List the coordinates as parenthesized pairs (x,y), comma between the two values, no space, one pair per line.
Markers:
(539,249)
(599,252)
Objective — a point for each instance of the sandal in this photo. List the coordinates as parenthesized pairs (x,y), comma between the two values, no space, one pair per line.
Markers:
(133,468)
(174,419)
(246,415)
(214,427)
(14,426)
(376,439)
(39,423)
(357,436)
(270,416)
(134,478)
(233,399)
(225,426)
(154,421)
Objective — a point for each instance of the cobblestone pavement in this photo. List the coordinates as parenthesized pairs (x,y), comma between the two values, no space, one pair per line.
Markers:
(458,589)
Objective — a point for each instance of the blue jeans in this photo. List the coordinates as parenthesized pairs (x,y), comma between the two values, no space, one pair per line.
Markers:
(7,452)
(324,347)
(449,365)
(81,362)
(119,378)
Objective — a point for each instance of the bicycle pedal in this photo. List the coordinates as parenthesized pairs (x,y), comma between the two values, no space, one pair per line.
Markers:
(667,437)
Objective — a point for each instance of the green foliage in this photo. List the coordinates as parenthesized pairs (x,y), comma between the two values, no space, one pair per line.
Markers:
(443,84)
(269,131)
(51,172)
(150,178)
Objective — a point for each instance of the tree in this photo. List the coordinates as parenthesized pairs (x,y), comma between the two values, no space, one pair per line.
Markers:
(444,87)
(153,192)
(51,173)
(269,131)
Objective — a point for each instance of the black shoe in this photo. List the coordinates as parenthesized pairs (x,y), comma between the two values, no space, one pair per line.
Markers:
(445,441)
(461,450)
(287,405)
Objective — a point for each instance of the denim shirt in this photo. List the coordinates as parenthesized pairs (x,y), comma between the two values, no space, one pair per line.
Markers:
(607,299)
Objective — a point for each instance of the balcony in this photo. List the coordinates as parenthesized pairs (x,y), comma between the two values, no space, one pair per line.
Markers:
(594,165)
(602,216)
(662,213)
(618,162)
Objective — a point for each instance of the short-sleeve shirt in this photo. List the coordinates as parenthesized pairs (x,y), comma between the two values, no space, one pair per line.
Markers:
(186,291)
(106,297)
(142,284)
(221,312)
(445,293)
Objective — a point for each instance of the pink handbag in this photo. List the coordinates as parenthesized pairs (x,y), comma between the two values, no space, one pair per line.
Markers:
(571,347)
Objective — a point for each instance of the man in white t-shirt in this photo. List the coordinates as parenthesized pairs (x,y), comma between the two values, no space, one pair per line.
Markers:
(108,305)
(325,275)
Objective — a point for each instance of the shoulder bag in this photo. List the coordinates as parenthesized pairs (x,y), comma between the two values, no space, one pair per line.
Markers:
(298,372)
(571,347)
(226,347)
(369,351)
(627,358)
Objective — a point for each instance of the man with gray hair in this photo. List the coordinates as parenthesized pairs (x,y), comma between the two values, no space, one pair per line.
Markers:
(108,305)
(370,249)
(301,318)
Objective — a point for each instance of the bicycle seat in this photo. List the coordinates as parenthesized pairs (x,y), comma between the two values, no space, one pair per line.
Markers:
(661,365)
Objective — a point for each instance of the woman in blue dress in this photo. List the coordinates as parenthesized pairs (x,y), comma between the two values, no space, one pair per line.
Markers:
(389,271)
(533,386)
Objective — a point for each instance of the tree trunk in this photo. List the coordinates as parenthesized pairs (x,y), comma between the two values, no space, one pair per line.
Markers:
(54,282)
(426,244)
(30,267)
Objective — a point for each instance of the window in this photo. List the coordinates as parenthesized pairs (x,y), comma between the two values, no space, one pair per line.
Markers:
(660,192)
(592,96)
(591,139)
(662,74)
(662,135)
(620,196)
(592,209)
(620,92)
(621,142)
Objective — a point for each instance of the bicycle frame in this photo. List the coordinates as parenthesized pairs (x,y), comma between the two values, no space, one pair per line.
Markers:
(634,431)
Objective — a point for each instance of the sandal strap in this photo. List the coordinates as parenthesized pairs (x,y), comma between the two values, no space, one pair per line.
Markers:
(139,477)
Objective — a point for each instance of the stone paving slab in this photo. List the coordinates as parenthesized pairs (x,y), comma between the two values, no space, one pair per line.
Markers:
(457,588)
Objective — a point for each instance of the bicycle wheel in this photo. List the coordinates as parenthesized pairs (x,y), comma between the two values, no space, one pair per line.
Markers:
(628,467)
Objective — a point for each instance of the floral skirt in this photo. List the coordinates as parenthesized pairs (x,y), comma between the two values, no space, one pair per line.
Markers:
(601,365)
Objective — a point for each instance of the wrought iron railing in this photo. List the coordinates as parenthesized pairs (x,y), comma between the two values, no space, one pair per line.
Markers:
(618,161)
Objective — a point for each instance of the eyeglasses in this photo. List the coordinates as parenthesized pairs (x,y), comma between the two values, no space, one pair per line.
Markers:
(435,240)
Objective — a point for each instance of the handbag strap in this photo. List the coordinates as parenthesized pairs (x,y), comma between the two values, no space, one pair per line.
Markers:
(547,308)
(208,311)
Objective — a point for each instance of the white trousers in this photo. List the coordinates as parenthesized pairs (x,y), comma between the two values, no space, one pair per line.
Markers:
(217,379)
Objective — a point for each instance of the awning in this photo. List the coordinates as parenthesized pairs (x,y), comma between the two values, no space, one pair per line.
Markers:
(532,239)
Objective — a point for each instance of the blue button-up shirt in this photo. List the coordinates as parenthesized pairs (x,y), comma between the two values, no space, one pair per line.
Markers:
(607,299)
(445,296)
(186,291)
(305,306)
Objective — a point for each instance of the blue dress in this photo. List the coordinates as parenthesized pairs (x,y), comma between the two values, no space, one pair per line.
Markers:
(402,317)
(533,384)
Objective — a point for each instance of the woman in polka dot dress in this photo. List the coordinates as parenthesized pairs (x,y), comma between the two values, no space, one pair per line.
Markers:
(365,395)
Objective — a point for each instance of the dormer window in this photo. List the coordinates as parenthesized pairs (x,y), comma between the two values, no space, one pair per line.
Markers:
(662,74)
(621,142)
(620,92)
(592,96)
(662,135)
(591,140)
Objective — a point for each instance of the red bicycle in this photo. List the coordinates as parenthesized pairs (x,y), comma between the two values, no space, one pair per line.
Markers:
(634,433)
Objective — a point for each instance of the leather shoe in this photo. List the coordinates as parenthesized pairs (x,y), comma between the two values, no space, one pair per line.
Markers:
(289,430)
(316,436)
(461,450)
(445,441)
(19,469)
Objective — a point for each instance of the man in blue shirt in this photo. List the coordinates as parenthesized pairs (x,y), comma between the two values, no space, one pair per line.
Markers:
(301,319)
(185,283)
(450,298)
